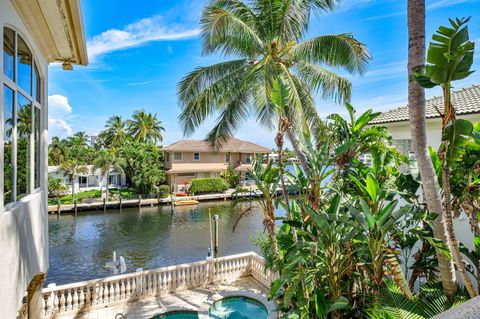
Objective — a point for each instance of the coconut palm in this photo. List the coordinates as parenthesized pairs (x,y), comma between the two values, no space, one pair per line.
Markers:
(79,139)
(56,151)
(265,39)
(106,162)
(71,169)
(24,121)
(145,127)
(115,131)
(416,102)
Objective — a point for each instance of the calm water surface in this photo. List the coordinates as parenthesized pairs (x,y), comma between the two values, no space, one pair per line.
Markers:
(149,237)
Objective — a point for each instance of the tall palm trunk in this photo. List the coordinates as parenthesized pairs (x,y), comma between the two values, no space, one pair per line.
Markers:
(416,102)
(298,152)
(449,116)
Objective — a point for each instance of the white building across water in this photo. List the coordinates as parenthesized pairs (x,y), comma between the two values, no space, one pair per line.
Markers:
(467,105)
(35,33)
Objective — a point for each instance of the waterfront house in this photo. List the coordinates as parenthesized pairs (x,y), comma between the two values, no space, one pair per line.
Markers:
(91,180)
(466,102)
(35,33)
(187,159)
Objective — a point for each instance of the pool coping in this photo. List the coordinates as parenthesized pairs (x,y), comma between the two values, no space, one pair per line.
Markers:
(260,297)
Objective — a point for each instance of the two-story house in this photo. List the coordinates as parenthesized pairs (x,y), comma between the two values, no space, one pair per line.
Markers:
(35,33)
(187,159)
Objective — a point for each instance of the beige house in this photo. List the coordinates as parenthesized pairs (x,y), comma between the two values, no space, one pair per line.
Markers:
(187,159)
(35,33)
(467,105)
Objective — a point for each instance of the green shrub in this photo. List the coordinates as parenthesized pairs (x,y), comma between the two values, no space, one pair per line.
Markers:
(231,177)
(208,185)
(163,190)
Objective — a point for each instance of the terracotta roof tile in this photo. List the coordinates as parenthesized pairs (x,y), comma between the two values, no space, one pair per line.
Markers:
(233,145)
(466,101)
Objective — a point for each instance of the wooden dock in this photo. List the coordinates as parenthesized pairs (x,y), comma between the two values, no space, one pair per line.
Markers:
(125,203)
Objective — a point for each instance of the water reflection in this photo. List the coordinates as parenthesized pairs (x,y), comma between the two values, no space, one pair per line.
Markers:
(148,238)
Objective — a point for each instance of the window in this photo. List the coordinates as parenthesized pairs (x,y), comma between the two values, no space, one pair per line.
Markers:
(7,145)
(167,157)
(186,174)
(21,114)
(403,145)
(177,156)
(196,156)
(248,158)
(228,157)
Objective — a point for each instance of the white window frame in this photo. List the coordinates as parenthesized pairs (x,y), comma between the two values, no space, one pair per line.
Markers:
(12,84)
(196,159)
(175,157)
(248,158)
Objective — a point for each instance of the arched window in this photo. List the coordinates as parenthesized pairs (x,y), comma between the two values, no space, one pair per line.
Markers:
(21,118)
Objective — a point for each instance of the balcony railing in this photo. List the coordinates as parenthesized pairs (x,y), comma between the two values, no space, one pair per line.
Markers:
(82,296)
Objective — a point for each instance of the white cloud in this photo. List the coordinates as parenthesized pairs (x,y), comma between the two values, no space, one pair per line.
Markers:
(59,111)
(58,105)
(59,127)
(135,34)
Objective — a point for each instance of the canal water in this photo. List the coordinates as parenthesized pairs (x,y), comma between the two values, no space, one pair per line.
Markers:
(147,237)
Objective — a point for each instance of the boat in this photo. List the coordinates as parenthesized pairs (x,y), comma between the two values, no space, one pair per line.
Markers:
(181,194)
(186,202)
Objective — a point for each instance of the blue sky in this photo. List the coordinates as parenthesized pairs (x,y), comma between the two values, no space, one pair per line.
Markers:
(139,52)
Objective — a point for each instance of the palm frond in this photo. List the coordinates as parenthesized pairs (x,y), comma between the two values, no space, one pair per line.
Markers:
(229,121)
(330,85)
(337,50)
(229,27)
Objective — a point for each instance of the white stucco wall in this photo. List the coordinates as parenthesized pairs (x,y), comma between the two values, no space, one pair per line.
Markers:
(23,226)
(401,130)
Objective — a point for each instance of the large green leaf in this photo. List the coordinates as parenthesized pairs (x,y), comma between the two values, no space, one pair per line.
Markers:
(457,133)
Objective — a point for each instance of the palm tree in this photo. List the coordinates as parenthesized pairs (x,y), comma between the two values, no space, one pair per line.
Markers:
(71,169)
(264,37)
(79,139)
(106,162)
(145,127)
(416,102)
(450,58)
(115,131)
(56,151)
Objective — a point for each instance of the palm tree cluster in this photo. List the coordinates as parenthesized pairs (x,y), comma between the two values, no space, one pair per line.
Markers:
(142,127)
(123,146)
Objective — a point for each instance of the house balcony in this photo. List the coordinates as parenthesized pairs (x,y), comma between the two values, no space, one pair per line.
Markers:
(190,287)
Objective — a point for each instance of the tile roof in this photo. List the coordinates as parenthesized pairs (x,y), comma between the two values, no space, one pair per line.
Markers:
(197,167)
(233,145)
(465,101)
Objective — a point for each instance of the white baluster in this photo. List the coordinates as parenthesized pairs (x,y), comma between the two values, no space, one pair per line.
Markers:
(129,287)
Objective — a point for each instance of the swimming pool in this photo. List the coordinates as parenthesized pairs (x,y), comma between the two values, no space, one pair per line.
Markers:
(238,307)
(177,315)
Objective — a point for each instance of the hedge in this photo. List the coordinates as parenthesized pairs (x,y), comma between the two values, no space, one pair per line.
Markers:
(208,185)
(163,190)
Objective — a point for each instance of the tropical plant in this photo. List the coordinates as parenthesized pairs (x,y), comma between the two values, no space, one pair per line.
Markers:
(115,131)
(56,151)
(56,187)
(392,304)
(145,127)
(107,162)
(265,38)
(267,179)
(354,137)
(450,58)
(143,165)
(71,169)
(231,177)
(79,139)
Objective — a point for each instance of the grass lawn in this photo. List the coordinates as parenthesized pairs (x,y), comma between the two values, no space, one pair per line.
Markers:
(67,199)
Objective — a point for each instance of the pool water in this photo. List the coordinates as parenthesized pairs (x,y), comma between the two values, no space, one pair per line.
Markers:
(238,308)
(178,315)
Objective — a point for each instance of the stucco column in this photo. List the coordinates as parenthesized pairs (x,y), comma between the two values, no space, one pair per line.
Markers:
(34,297)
